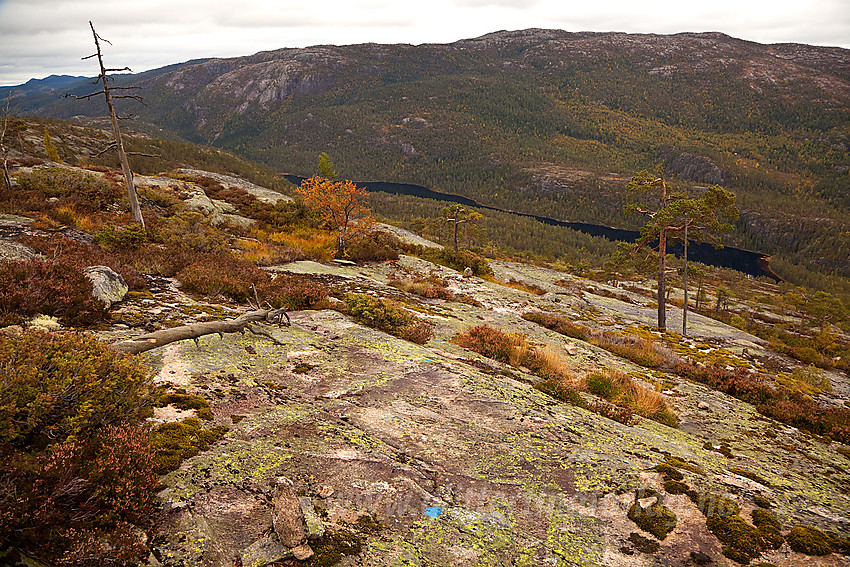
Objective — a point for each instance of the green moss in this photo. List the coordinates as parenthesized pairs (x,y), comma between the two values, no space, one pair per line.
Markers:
(769,527)
(748,474)
(742,542)
(236,418)
(656,518)
(761,501)
(669,471)
(643,544)
(675,487)
(680,464)
(844,450)
(178,441)
(303,368)
(710,504)
(809,540)
(333,547)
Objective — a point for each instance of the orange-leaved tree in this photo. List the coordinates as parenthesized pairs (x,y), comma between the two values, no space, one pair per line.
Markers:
(340,205)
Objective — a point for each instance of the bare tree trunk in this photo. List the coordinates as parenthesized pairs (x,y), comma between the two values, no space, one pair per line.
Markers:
(662,276)
(685,309)
(119,144)
(240,324)
(6,179)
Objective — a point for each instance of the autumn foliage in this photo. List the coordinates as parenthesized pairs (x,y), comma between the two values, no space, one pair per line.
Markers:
(340,206)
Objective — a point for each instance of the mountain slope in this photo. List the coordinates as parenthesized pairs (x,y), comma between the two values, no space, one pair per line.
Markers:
(537,120)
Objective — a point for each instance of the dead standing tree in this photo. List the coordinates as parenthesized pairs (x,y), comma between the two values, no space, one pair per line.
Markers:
(118,144)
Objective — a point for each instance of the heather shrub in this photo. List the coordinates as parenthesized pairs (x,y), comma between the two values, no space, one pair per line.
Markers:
(191,230)
(292,291)
(221,275)
(59,288)
(77,469)
(375,246)
(558,324)
(489,342)
(389,317)
(86,191)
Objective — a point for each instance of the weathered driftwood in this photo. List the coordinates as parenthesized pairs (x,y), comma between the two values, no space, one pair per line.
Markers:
(195,330)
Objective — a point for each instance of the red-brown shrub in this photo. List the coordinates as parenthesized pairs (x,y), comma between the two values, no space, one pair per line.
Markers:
(221,275)
(489,342)
(77,472)
(292,291)
(58,288)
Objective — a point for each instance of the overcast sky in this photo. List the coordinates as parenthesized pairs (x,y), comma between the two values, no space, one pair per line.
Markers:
(44,37)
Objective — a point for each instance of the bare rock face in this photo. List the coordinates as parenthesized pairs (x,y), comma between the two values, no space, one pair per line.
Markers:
(288,519)
(108,286)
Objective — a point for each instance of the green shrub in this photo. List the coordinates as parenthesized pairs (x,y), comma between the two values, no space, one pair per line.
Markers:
(56,386)
(675,487)
(115,237)
(77,467)
(388,317)
(560,390)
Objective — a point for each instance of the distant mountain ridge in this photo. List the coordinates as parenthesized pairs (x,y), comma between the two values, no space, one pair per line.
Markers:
(543,121)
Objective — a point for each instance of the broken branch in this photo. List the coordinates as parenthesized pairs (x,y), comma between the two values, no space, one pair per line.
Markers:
(193,331)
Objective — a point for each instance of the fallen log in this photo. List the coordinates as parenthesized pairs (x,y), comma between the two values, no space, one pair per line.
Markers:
(244,322)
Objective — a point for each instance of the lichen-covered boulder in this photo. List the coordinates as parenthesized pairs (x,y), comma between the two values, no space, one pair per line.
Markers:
(107,286)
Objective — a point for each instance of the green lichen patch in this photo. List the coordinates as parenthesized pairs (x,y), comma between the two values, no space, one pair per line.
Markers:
(742,542)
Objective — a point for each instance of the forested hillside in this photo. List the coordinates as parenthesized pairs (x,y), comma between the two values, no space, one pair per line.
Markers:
(542,121)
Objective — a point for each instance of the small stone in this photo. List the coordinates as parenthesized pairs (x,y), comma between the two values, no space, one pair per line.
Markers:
(326,491)
(703,406)
(571,349)
(302,552)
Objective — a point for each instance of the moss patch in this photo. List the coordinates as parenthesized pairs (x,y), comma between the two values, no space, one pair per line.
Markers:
(176,442)
(656,518)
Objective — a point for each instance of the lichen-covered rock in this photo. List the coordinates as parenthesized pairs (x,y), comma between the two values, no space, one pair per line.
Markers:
(264,551)
(107,286)
(315,527)
(288,519)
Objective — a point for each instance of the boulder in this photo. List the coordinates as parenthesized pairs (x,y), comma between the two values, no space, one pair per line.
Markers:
(10,250)
(302,552)
(288,519)
(108,286)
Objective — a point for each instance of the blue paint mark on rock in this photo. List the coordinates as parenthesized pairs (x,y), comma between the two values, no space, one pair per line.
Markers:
(433,512)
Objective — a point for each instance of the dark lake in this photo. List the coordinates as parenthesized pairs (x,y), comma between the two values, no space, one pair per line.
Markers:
(746,261)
